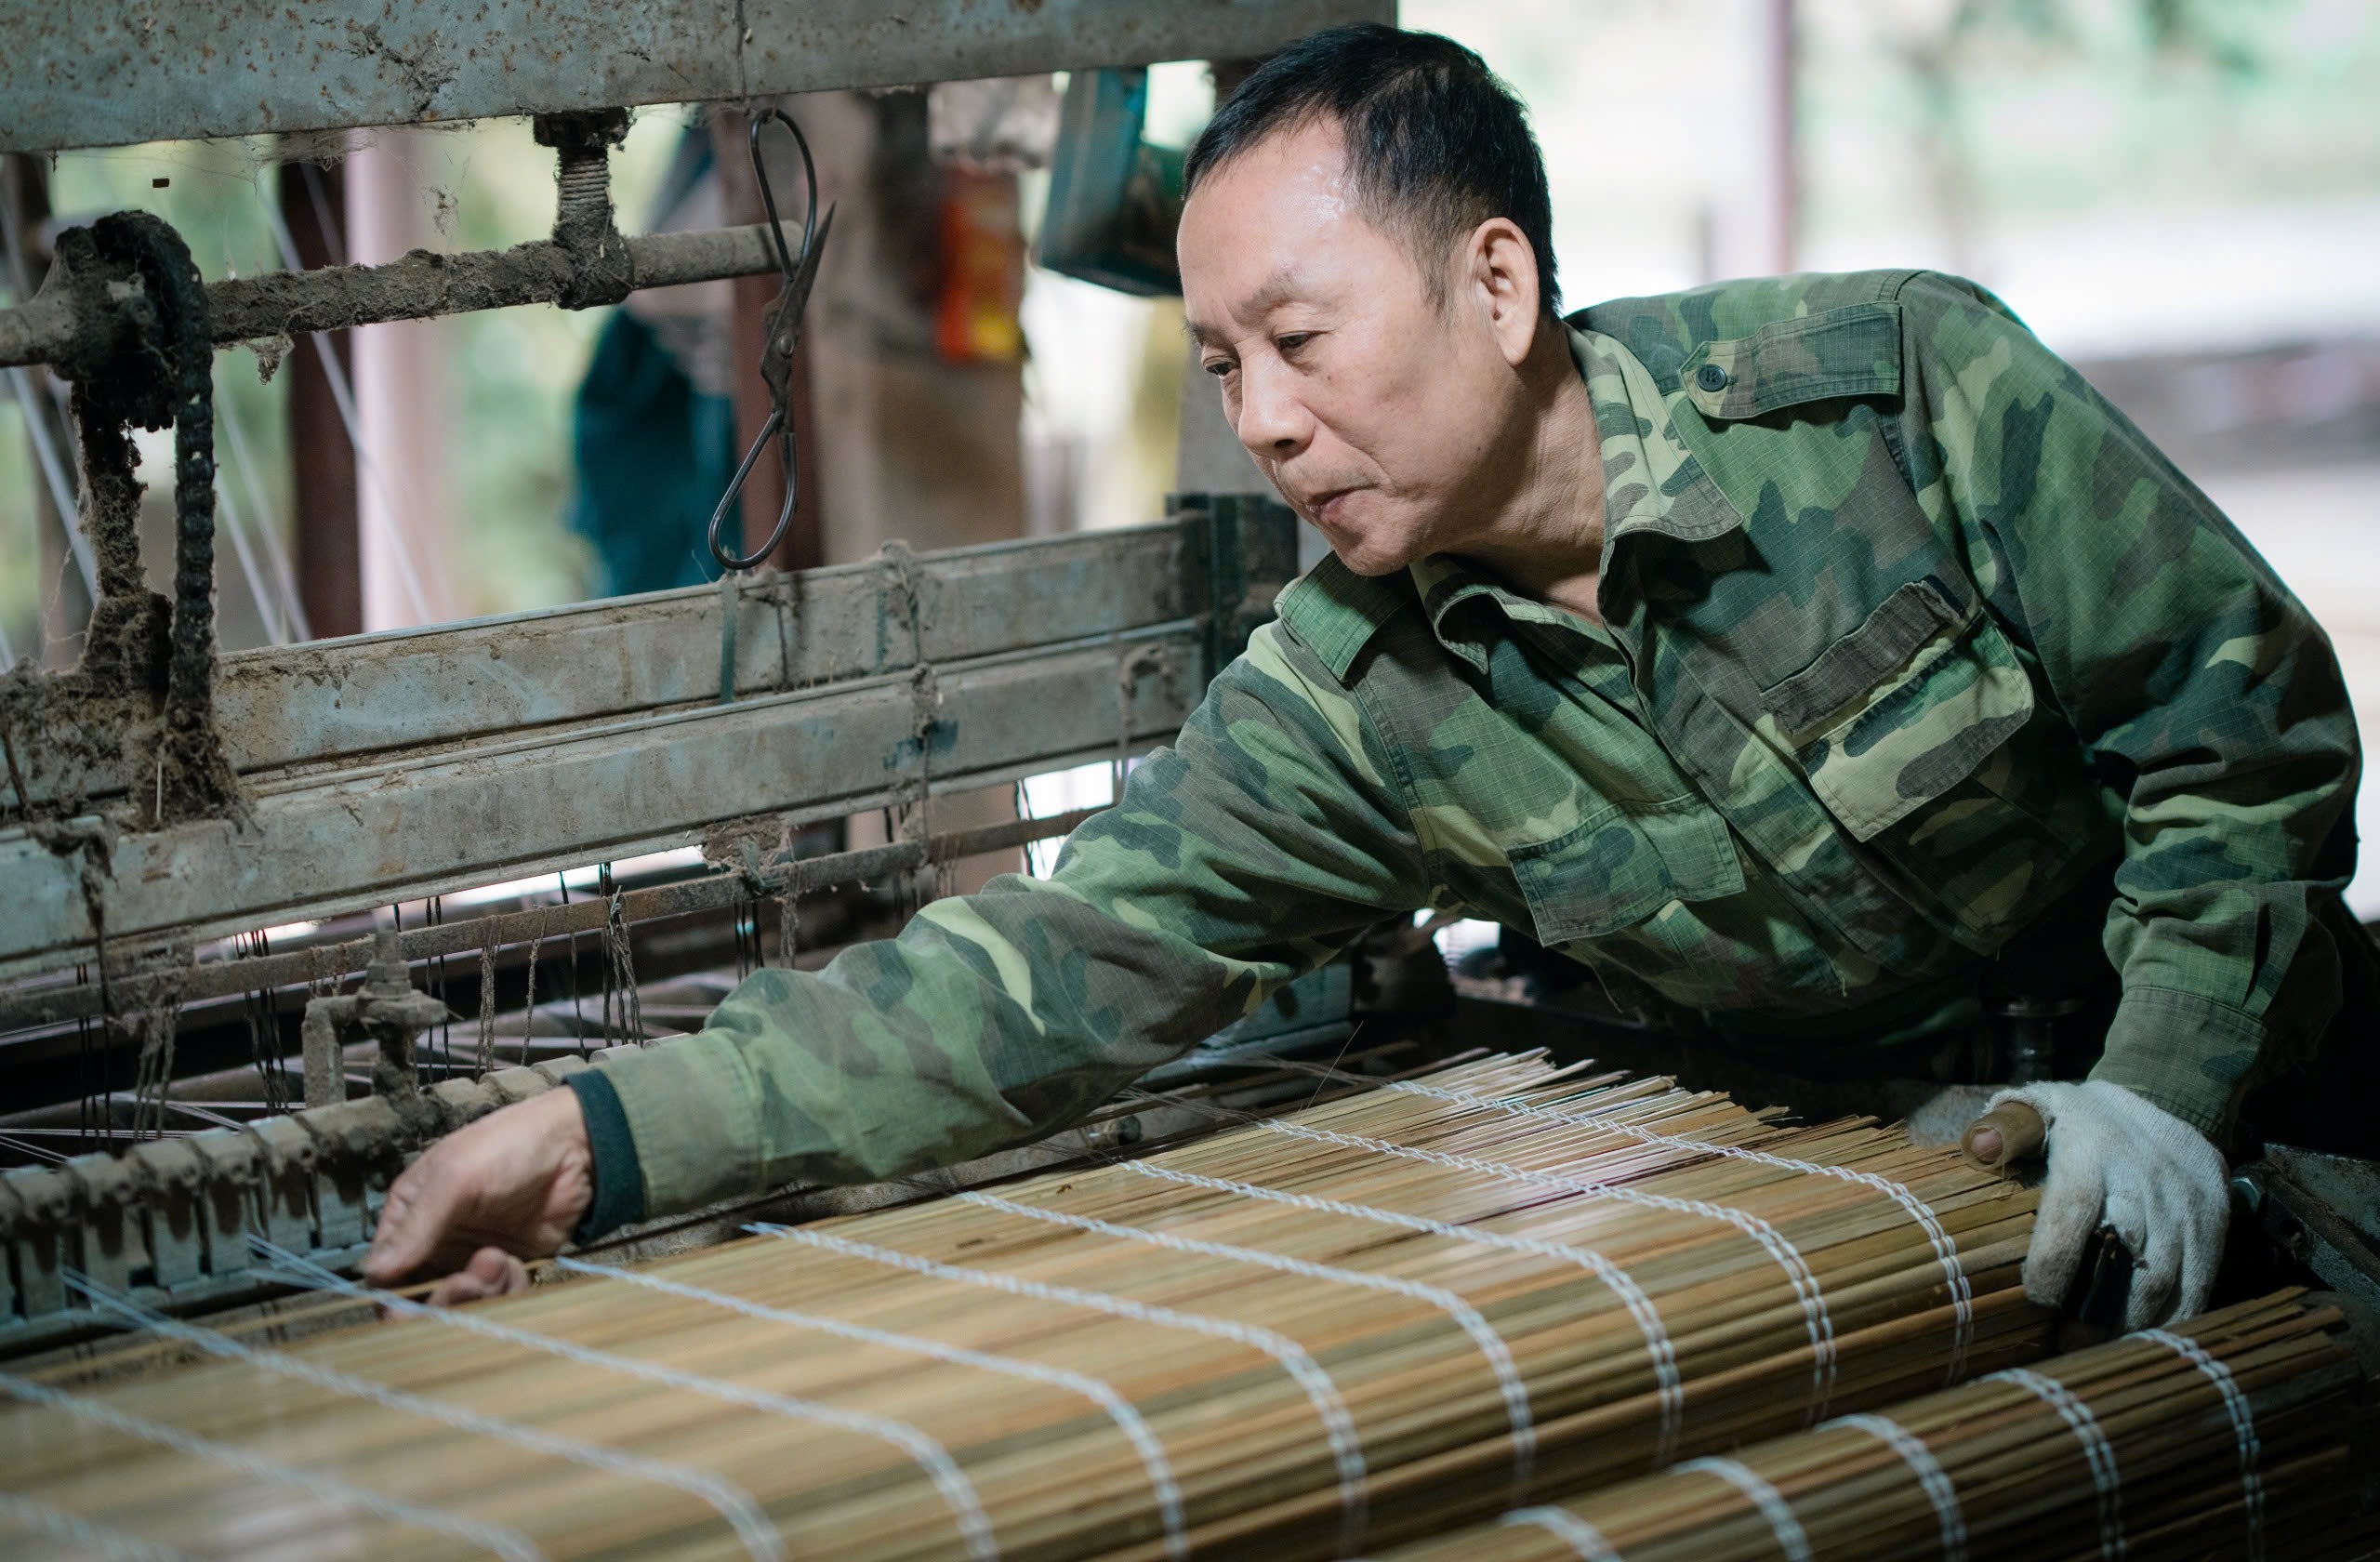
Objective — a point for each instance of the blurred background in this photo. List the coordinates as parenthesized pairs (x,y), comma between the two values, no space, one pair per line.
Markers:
(2181,196)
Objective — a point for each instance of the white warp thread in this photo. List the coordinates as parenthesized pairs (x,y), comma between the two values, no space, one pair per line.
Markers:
(1573,1531)
(1126,1415)
(1668,1389)
(1766,1497)
(2096,1448)
(1945,1253)
(2244,1426)
(509,1543)
(75,1530)
(1772,1242)
(1346,1453)
(1482,1334)
(745,1516)
(1931,1477)
(950,1481)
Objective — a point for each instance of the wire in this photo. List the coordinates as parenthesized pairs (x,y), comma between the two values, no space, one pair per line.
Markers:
(782,324)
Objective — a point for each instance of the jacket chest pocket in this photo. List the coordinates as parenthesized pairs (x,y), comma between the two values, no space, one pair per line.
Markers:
(1903,709)
(1622,864)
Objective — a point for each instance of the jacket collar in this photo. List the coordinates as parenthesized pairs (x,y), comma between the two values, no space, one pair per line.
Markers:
(1651,483)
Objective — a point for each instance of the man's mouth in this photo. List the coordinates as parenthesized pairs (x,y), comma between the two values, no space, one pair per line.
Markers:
(1319,506)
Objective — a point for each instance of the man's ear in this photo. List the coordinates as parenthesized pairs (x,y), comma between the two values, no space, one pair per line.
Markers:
(1499,269)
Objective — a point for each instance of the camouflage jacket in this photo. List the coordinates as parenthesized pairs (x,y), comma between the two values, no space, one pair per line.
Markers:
(1907,632)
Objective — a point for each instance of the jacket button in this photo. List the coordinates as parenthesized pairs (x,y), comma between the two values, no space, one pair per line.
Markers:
(1710,376)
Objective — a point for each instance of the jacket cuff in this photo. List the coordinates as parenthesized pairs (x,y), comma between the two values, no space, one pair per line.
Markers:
(2181,1052)
(692,1116)
(619,1181)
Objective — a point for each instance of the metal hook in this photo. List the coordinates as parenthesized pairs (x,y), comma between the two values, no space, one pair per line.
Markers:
(783,327)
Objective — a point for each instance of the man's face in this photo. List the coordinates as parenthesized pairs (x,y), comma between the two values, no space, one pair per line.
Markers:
(1370,406)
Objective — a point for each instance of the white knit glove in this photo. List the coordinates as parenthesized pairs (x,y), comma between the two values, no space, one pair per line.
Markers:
(2114,1160)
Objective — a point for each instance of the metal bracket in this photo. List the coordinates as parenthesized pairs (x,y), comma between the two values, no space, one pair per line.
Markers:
(387,1009)
(170,1175)
(2323,1212)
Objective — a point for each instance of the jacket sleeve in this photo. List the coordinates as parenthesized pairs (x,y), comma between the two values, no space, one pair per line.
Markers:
(1259,845)
(2207,701)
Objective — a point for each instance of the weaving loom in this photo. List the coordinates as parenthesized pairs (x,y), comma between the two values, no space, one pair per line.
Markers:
(1421,1302)
(1458,1292)
(1300,1336)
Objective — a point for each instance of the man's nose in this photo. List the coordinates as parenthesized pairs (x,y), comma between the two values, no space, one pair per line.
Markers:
(1273,422)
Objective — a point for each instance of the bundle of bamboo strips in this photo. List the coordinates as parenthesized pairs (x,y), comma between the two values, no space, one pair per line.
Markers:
(1396,1310)
(2228,1436)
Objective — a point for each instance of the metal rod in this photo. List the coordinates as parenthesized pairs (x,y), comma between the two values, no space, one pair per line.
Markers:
(416,287)
(222,978)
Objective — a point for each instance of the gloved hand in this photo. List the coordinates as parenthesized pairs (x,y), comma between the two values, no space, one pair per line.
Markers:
(2115,1159)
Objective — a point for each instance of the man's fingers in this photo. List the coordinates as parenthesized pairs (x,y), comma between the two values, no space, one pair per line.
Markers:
(430,1228)
(2062,1228)
(454,1290)
(401,1239)
(2157,1264)
(2200,1260)
(2205,1222)
(491,1272)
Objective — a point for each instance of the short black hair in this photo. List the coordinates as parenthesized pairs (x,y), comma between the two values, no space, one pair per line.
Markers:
(1437,144)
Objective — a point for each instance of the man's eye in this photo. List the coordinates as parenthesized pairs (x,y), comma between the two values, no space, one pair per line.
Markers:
(1219,367)
(1293,342)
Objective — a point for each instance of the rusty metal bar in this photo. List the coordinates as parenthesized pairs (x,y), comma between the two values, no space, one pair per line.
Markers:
(416,287)
(326,845)
(110,73)
(341,701)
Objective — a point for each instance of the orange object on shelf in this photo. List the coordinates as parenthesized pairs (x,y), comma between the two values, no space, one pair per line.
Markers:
(982,270)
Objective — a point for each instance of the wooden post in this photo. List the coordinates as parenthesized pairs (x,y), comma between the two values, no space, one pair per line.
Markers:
(325,545)
(402,383)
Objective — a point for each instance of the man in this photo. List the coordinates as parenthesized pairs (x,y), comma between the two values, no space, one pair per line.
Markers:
(1782,650)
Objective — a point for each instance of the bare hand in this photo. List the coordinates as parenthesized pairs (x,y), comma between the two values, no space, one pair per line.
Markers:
(512,1185)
